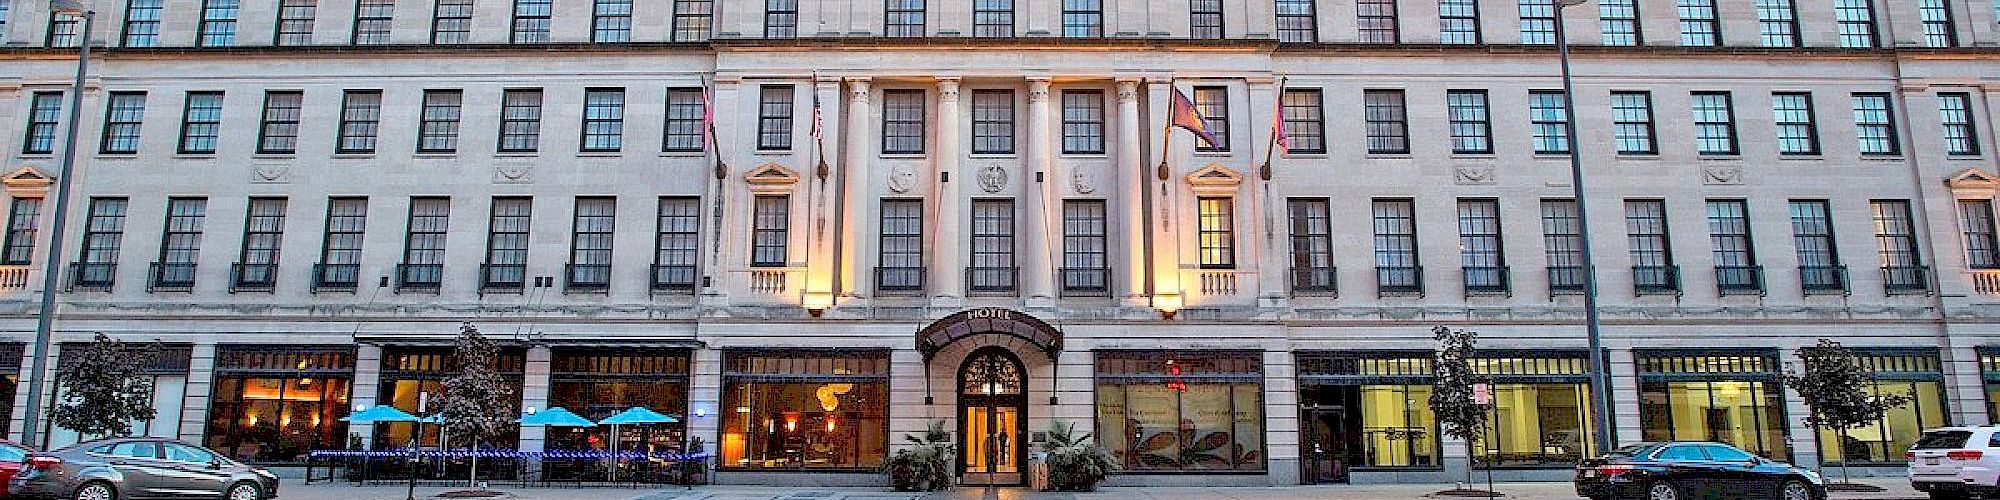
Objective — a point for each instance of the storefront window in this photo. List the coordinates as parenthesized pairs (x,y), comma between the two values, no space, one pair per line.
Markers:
(10,380)
(276,404)
(167,372)
(1989,370)
(805,410)
(1182,410)
(1912,373)
(1541,409)
(598,383)
(1724,396)
(412,380)
(1366,410)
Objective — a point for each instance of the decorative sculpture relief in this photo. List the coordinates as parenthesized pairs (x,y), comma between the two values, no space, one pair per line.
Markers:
(993,178)
(511,174)
(1473,175)
(1719,174)
(271,174)
(902,178)
(1080,181)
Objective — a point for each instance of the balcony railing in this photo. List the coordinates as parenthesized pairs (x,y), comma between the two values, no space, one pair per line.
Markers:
(253,277)
(1823,280)
(1086,282)
(336,277)
(13,276)
(1739,280)
(1566,280)
(1488,280)
(590,278)
(170,277)
(991,280)
(1656,280)
(1399,280)
(1904,280)
(673,278)
(899,280)
(92,275)
(419,277)
(1315,281)
(502,278)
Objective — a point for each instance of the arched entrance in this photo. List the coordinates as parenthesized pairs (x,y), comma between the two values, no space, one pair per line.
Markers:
(995,361)
(992,417)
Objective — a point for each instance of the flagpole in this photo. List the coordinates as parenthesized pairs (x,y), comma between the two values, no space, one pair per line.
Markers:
(714,147)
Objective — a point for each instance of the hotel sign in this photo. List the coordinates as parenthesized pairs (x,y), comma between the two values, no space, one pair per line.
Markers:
(988,321)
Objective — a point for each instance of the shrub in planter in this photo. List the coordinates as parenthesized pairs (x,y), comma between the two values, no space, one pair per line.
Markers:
(924,466)
(1076,463)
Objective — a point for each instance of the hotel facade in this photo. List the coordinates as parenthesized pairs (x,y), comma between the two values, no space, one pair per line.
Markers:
(972,212)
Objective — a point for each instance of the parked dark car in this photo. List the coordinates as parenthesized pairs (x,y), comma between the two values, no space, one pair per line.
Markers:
(12,455)
(1693,471)
(139,468)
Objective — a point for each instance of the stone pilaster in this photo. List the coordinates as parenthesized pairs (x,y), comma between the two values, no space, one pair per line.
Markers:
(195,399)
(945,282)
(854,277)
(367,384)
(1129,283)
(1032,225)
(534,397)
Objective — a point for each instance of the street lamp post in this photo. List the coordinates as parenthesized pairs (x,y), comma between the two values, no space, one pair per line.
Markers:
(1600,375)
(51,262)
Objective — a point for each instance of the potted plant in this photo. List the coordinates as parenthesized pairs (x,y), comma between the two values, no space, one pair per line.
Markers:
(1075,462)
(926,464)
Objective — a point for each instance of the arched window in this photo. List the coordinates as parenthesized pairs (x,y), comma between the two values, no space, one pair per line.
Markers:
(990,374)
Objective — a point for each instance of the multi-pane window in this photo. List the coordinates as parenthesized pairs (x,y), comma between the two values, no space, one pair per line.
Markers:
(1471,127)
(263,236)
(992,268)
(1205,19)
(1083,18)
(603,120)
(507,228)
(1305,120)
(1085,266)
(902,246)
(278,131)
(340,252)
(1376,20)
(44,112)
(1479,246)
(1874,128)
(520,120)
(1955,114)
(142,23)
(1778,23)
(1938,29)
(24,220)
(1618,20)
(371,21)
(993,121)
(1632,123)
(423,244)
(531,21)
(1298,21)
(218,23)
(674,254)
(1729,234)
(685,108)
(611,21)
(1562,243)
(1083,122)
(903,18)
(774,117)
(1896,241)
(1215,219)
(1698,25)
(1856,19)
(1975,221)
(694,20)
(3,15)
(451,22)
(122,116)
(1458,21)
(591,233)
(1312,246)
(103,235)
(438,132)
(1812,235)
(360,118)
(993,18)
(63,28)
(1549,121)
(770,230)
(1395,227)
(1714,123)
(1387,121)
(903,122)
(295,21)
(1646,237)
(1793,115)
(781,18)
(1213,103)
(1538,22)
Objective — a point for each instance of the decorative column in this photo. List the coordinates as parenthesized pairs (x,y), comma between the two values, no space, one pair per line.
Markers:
(854,279)
(1130,284)
(945,280)
(1032,226)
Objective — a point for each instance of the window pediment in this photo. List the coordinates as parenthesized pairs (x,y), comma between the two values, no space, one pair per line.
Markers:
(26,182)
(1214,180)
(1973,179)
(771,178)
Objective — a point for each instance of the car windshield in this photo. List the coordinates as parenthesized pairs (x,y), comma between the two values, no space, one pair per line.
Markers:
(1940,440)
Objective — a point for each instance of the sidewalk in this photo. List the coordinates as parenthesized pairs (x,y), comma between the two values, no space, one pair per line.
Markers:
(1898,489)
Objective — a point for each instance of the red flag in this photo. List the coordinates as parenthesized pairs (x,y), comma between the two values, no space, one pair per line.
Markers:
(1281,136)
(1184,115)
(707,119)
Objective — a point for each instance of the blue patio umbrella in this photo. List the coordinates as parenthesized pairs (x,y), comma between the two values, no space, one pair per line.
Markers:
(382,413)
(555,417)
(631,416)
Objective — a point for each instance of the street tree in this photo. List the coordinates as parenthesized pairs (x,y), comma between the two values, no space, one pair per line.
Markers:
(104,387)
(1459,413)
(475,402)
(1839,393)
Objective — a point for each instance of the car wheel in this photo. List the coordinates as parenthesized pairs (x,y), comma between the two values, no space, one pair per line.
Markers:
(248,491)
(1663,490)
(1791,490)
(1949,495)
(96,490)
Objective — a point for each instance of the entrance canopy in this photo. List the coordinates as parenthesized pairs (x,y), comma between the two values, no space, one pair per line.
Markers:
(989,321)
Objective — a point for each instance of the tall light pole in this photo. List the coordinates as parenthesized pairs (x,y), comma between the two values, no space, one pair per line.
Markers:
(1600,375)
(52,261)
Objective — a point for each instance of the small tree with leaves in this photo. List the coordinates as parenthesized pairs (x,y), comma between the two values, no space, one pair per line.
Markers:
(475,403)
(1458,412)
(1838,392)
(104,388)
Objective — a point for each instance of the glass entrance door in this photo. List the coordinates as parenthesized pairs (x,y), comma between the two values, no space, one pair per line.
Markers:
(1326,444)
(992,445)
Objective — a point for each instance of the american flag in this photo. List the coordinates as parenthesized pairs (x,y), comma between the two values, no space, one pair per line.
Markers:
(816,129)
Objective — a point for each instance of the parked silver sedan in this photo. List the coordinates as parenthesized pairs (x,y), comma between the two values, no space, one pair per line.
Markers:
(139,468)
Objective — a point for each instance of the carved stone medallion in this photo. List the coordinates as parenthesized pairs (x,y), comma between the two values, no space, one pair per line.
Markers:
(902,178)
(993,178)
(1080,181)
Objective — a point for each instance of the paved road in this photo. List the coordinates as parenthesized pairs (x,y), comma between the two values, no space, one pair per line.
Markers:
(1897,490)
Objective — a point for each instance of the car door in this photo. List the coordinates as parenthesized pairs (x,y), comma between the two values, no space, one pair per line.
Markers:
(1689,468)
(139,468)
(193,472)
(1741,471)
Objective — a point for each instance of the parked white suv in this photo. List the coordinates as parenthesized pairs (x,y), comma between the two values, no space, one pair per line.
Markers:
(1954,463)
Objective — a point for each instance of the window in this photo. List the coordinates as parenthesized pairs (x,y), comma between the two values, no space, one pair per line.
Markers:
(180,244)
(603,119)
(674,255)
(142,23)
(295,22)
(1960,135)
(1395,226)
(1915,373)
(1538,22)
(590,244)
(63,29)
(439,131)
(1778,23)
(3,27)
(1083,122)
(992,18)
(371,21)
(218,23)
(103,234)
(340,253)
(1938,28)
(1086,265)
(771,224)
(1896,240)
(1541,409)
(1698,23)
(781,18)
(1205,19)
(1632,122)
(1975,219)
(24,220)
(903,122)
(411,372)
(360,116)
(1312,247)
(598,382)
(1298,21)
(1736,268)
(904,18)
(423,244)
(1386,395)
(1714,123)
(263,236)
(1480,250)
(1158,420)
(1376,20)
(1797,134)
(44,112)
(1819,258)
(531,21)
(694,20)
(1083,18)
(1562,242)
(901,264)
(507,229)
(279,131)
(611,21)
(1721,396)
(311,384)
(783,398)
(1471,128)
(992,247)
(1388,125)
(1213,103)
(1305,120)
(452,22)
(520,120)
(123,114)
(1216,217)
(685,109)
(993,122)
(774,118)
(1550,121)
(1653,268)
(1458,21)
(1874,127)
(1856,19)
(1619,21)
